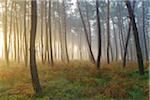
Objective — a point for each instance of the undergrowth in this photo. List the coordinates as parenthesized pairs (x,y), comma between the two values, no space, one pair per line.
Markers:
(75,81)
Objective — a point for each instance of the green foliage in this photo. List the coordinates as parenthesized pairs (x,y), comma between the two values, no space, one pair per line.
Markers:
(135,74)
(136,93)
(101,82)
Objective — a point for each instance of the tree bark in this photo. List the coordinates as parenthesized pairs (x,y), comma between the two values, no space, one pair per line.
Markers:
(5,35)
(33,67)
(65,33)
(50,34)
(127,41)
(42,44)
(60,33)
(25,37)
(80,45)
(126,45)
(136,37)
(86,33)
(10,34)
(99,35)
(14,42)
(145,43)
(115,39)
(46,34)
(89,27)
(17,34)
(108,34)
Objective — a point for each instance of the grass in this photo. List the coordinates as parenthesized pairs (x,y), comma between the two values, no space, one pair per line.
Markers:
(75,81)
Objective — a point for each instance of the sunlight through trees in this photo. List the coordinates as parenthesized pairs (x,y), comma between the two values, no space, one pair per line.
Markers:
(98,32)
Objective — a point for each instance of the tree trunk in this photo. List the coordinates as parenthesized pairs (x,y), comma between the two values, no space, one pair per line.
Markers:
(80,45)
(17,34)
(99,34)
(50,34)
(46,34)
(65,33)
(145,43)
(25,37)
(15,51)
(136,37)
(127,41)
(89,27)
(111,52)
(72,44)
(5,35)
(33,67)
(42,52)
(108,34)
(10,34)
(60,34)
(115,39)
(120,28)
(86,33)
(55,51)
(126,45)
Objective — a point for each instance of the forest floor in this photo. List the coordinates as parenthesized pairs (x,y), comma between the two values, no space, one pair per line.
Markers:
(75,81)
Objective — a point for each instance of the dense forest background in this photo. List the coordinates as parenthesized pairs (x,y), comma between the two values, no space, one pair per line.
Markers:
(61,22)
(98,33)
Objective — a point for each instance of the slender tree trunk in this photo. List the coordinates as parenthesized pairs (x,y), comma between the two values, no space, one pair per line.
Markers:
(25,37)
(60,34)
(126,45)
(20,38)
(121,46)
(132,58)
(65,33)
(88,22)
(111,51)
(17,34)
(86,33)
(99,35)
(80,45)
(120,24)
(33,67)
(5,35)
(10,34)
(136,37)
(145,43)
(46,34)
(50,34)
(108,34)
(72,38)
(15,51)
(89,27)
(42,44)
(55,53)
(115,39)
(18,42)
(127,41)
